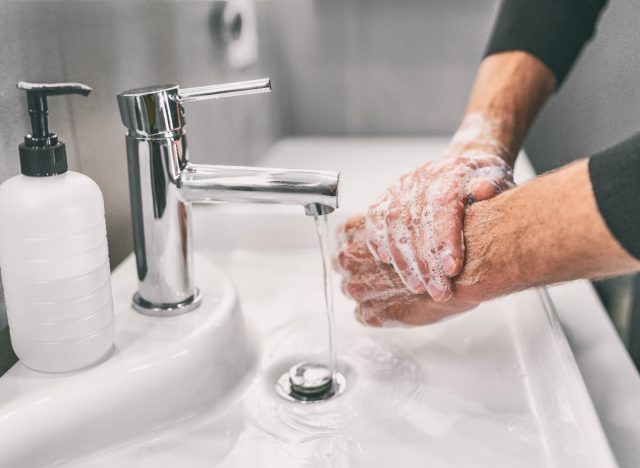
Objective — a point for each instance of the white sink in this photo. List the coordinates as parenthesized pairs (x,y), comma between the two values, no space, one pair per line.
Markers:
(496,387)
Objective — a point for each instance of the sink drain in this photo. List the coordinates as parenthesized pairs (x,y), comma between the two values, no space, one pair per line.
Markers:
(308,382)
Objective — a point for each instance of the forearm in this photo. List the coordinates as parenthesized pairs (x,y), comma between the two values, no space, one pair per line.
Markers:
(509,91)
(546,231)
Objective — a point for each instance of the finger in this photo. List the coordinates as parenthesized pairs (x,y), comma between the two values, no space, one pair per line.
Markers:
(447,210)
(335,264)
(439,287)
(375,229)
(352,260)
(350,229)
(493,176)
(356,290)
(419,222)
(486,188)
(354,224)
(400,235)
(366,317)
(373,287)
(343,288)
(355,257)
(378,280)
(483,190)
(406,311)
(399,241)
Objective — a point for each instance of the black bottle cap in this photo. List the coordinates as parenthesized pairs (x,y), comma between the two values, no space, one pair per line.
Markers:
(42,154)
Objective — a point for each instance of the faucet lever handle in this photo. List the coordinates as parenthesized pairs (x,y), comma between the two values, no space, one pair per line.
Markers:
(239,88)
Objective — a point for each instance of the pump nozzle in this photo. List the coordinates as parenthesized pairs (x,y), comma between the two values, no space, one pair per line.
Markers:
(42,154)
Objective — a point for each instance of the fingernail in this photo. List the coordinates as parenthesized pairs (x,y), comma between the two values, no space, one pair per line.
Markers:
(439,293)
(449,264)
(443,296)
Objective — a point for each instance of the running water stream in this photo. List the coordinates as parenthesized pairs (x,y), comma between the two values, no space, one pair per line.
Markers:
(322,230)
(311,381)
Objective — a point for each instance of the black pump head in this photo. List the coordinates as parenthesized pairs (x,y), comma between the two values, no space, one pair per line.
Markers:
(42,154)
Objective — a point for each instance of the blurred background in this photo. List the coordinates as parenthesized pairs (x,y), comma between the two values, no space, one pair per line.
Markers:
(339,68)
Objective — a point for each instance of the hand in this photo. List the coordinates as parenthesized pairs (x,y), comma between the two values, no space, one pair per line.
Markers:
(546,231)
(383,301)
(416,226)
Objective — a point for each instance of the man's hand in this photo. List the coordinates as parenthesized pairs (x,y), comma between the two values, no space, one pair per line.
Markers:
(416,226)
(382,298)
(546,231)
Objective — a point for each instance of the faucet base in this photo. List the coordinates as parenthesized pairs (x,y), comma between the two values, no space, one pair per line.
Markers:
(166,310)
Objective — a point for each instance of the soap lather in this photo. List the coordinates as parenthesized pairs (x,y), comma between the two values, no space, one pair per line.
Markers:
(53,250)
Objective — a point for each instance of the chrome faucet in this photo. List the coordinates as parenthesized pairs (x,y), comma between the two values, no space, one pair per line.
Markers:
(163,184)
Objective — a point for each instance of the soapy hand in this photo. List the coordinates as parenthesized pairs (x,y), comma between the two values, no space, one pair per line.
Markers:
(416,226)
(383,300)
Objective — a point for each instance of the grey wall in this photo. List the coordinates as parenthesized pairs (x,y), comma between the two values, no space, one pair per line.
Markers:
(600,103)
(381,67)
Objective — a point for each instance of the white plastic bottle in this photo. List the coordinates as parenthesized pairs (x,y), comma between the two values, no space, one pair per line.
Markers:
(53,252)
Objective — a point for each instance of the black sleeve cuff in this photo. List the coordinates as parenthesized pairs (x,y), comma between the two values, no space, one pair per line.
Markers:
(552,30)
(615,177)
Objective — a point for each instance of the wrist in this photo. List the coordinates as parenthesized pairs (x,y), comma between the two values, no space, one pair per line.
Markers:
(510,89)
(480,134)
(493,265)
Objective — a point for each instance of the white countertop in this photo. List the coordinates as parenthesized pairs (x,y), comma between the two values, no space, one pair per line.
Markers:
(609,374)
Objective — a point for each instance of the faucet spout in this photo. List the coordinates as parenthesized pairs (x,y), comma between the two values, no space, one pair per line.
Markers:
(236,184)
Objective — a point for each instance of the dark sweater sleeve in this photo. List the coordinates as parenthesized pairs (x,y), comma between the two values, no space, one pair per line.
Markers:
(615,177)
(552,30)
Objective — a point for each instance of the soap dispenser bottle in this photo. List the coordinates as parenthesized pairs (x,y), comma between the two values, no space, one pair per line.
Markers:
(53,251)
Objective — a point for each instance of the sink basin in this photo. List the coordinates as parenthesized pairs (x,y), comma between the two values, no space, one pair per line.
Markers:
(496,387)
